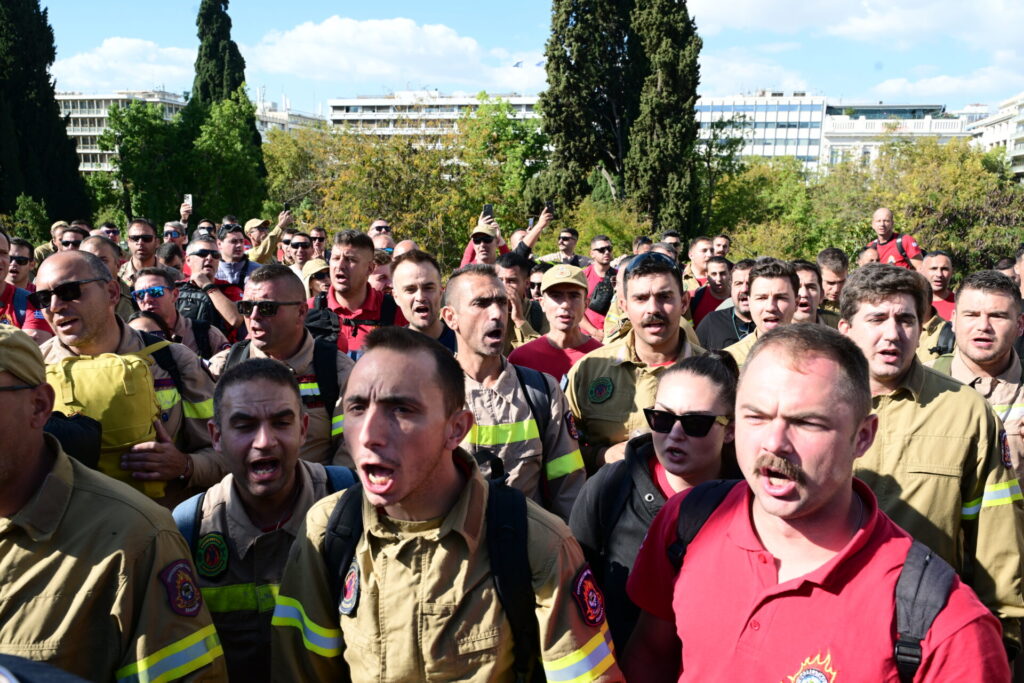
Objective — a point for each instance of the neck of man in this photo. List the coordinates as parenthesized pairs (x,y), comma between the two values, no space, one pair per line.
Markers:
(354,298)
(601,268)
(887,386)
(286,349)
(659,354)
(478,367)
(23,481)
(943,294)
(139,264)
(266,512)
(567,339)
(802,545)
(432,502)
(566,252)
(434,330)
(106,341)
(745,317)
(698,271)
(172,319)
(994,369)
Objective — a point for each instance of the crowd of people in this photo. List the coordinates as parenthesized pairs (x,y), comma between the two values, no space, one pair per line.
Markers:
(277,452)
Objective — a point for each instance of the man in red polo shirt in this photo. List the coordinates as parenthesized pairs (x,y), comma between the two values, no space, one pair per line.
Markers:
(793,576)
(15,307)
(359,307)
(894,248)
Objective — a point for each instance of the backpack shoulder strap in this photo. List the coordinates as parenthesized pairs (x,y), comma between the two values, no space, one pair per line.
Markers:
(339,478)
(160,350)
(325,367)
(239,352)
(617,488)
(694,511)
(943,363)
(344,528)
(695,298)
(946,340)
(899,246)
(320,302)
(20,305)
(538,395)
(921,593)
(201,331)
(187,516)
(388,309)
(507,546)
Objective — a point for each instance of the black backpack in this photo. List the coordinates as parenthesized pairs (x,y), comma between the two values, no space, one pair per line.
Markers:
(201,331)
(946,341)
(921,591)
(507,547)
(899,245)
(195,304)
(325,367)
(323,323)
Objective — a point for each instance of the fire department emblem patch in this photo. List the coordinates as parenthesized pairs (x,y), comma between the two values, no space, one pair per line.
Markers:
(816,670)
(600,390)
(212,556)
(588,596)
(1004,443)
(182,592)
(350,591)
(570,426)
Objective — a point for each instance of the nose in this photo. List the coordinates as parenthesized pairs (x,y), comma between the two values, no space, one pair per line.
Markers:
(368,429)
(265,437)
(775,437)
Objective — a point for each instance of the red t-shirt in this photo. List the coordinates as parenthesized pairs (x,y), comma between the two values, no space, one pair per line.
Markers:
(737,622)
(708,303)
(541,355)
(889,252)
(944,307)
(469,254)
(593,317)
(34,319)
(351,338)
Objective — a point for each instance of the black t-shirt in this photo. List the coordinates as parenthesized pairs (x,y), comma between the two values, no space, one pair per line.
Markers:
(720,329)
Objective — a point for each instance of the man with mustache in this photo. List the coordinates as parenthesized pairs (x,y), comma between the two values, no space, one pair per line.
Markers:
(937,465)
(794,574)
(609,388)
(773,287)
(535,442)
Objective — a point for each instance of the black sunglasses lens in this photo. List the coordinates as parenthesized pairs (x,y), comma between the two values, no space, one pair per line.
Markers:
(662,421)
(69,291)
(321,275)
(697,425)
(20,260)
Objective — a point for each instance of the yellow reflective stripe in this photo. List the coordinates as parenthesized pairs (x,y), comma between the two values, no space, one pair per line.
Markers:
(564,464)
(176,660)
(585,664)
(995,495)
(167,398)
(499,435)
(309,389)
(242,597)
(325,642)
(337,424)
(202,410)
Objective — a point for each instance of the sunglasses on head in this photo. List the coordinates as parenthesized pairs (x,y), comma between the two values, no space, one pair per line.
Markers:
(20,260)
(694,424)
(203,253)
(267,309)
(68,243)
(173,234)
(152,292)
(141,238)
(321,276)
(302,245)
(482,239)
(647,258)
(603,250)
(66,291)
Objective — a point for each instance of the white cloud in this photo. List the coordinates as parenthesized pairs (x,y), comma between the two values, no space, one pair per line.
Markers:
(126,64)
(393,53)
(779,16)
(995,80)
(739,71)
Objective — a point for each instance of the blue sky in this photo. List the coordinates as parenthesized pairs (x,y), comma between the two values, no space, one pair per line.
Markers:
(898,51)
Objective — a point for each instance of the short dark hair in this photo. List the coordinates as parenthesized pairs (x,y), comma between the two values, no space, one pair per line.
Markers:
(720,259)
(153,317)
(805,340)
(834,259)
(697,240)
(651,263)
(251,370)
(478,269)
(743,264)
(381,258)
(640,241)
(720,369)
(446,369)
(169,250)
(938,252)
(864,250)
(1002,264)
(77,229)
(417,256)
(671,233)
(572,231)
(155,271)
(228,229)
(229,218)
(514,259)
(23,243)
(277,271)
(802,266)
(994,282)
(139,220)
(110,244)
(299,233)
(876,281)
(109,225)
(542,267)
(354,238)
(600,238)
(723,236)
(772,269)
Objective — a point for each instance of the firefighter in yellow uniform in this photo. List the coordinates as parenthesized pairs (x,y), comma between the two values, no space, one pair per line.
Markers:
(418,600)
(94,578)
(283,337)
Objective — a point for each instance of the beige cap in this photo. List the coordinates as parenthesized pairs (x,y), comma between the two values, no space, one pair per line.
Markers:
(256,223)
(59,224)
(313,266)
(20,356)
(563,274)
(482,229)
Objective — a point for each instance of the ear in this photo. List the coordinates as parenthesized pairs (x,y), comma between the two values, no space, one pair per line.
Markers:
(449,318)
(42,405)
(730,431)
(844,327)
(214,429)
(1020,323)
(865,435)
(457,428)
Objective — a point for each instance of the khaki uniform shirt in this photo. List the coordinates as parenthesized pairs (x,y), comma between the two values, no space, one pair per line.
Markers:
(690,282)
(829,318)
(127,272)
(936,467)
(184,417)
(240,567)
(424,605)
(44,251)
(608,390)
(185,335)
(740,351)
(548,467)
(95,579)
(929,338)
(325,442)
(265,250)
(1005,394)
(125,306)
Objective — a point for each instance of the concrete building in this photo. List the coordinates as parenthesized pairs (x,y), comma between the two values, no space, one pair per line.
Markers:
(996,130)
(414,112)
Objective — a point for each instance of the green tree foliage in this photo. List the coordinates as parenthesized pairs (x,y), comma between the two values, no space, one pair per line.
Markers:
(595,70)
(717,157)
(660,168)
(31,220)
(36,156)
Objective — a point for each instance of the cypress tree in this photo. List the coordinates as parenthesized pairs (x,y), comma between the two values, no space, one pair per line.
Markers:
(595,70)
(660,169)
(36,156)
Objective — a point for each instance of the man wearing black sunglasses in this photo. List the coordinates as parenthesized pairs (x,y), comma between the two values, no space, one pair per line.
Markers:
(72,238)
(484,238)
(23,264)
(142,243)
(78,296)
(600,268)
(16,307)
(567,239)
(205,297)
(609,387)
(176,232)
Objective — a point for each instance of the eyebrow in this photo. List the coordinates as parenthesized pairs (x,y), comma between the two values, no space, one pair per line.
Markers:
(390,399)
(287,412)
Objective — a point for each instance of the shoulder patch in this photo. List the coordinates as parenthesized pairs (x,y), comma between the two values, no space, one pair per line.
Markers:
(588,597)
(1004,450)
(212,556)
(600,390)
(350,591)
(570,425)
(183,594)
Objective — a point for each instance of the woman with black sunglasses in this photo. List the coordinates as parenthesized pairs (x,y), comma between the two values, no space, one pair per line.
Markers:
(690,442)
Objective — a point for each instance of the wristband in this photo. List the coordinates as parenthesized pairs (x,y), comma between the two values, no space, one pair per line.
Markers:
(187,474)
(207,288)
